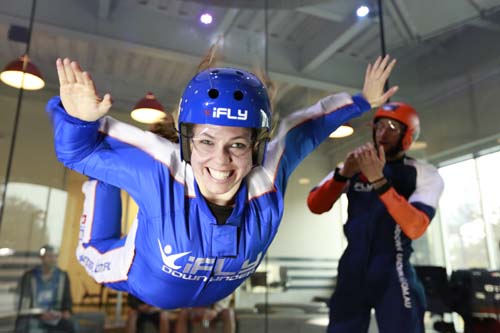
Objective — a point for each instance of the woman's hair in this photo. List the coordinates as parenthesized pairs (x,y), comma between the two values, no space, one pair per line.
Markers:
(211,58)
(165,128)
(272,91)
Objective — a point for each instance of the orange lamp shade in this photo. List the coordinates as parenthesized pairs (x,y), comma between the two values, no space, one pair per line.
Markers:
(21,73)
(148,110)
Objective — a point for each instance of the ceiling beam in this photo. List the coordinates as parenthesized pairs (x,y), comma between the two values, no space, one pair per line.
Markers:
(476,6)
(172,55)
(406,18)
(353,26)
(338,42)
(227,22)
(399,21)
(486,25)
(104,9)
(322,12)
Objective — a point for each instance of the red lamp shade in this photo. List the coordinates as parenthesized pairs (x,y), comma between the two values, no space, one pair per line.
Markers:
(22,73)
(148,110)
(342,131)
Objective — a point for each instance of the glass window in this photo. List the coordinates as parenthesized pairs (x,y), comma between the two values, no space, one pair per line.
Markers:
(33,216)
(461,215)
(489,183)
(429,248)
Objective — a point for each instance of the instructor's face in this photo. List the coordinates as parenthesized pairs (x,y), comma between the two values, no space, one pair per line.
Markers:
(388,133)
(221,157)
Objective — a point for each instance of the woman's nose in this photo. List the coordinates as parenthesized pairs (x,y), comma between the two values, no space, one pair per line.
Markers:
(222,154)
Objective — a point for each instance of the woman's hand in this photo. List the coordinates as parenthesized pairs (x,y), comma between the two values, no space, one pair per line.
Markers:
(78,92)
(375,78)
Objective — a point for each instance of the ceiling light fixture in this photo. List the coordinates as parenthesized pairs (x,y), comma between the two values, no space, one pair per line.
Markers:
(418,145)
(206,18)
(362,11)
(21,73)
(342,132)
(24,78)
(148,110)
(304,181)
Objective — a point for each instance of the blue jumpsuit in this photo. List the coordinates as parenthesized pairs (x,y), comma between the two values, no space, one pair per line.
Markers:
(175,254)
(374,270)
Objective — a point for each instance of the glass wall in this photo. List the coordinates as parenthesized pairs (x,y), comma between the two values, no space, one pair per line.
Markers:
(448,69)
(461,216)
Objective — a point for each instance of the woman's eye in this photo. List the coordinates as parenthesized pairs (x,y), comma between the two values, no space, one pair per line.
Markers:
(239,145)
(206,142)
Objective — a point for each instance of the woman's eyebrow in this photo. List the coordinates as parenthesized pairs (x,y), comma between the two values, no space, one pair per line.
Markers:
(238,137)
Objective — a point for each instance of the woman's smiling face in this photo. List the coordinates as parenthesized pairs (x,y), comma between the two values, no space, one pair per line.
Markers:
(221,156)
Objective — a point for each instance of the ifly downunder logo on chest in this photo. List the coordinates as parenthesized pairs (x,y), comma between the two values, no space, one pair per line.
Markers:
(230,113)
(198,268)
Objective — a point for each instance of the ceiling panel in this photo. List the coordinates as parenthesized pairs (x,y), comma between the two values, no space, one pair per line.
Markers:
(315,47)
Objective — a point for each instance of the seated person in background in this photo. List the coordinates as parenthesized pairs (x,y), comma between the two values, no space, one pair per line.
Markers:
(44,297)
(207,316)
(140,313)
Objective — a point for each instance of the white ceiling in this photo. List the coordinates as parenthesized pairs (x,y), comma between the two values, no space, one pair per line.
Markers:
(314,47)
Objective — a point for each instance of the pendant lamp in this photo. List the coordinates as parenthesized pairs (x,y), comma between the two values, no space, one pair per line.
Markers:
(342,132)
(148,110)
(22,73)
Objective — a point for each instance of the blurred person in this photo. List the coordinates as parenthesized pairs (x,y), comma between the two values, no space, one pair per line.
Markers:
(207,317)
(392,199)
(140,313)
(210,206)
(44,297)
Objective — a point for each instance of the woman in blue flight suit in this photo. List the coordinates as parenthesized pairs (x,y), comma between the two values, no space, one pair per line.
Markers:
(209,207)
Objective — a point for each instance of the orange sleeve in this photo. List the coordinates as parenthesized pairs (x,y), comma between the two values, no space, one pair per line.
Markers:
(322,198)
(412,221)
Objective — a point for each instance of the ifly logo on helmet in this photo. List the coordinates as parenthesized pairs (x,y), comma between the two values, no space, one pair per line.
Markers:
(230,114)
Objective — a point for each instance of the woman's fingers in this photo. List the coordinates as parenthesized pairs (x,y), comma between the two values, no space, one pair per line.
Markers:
(70,76)
(61,74)
(87,81)
(376,64)
(77,71)
(389,93)
(379,71)
(368,72)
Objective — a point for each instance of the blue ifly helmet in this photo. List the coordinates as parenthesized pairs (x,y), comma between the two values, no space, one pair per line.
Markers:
(225,97)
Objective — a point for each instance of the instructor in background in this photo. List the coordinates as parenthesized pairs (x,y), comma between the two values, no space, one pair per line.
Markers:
(392,199)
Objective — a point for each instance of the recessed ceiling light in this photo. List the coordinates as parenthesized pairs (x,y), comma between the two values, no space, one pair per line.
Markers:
(362,11)
(206,18)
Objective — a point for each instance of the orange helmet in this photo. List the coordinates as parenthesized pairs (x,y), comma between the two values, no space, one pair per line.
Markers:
(406,115)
